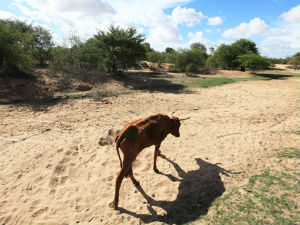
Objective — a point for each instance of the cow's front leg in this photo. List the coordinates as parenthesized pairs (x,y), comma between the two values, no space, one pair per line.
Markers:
(156,153)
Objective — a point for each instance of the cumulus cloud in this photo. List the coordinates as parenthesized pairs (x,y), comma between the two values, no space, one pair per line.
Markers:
(256,26)
(184,15)
(85,17)
(198,37)
(283,40)
(215,21)
(6,15)
(292,16)
(162,29)
(276,47)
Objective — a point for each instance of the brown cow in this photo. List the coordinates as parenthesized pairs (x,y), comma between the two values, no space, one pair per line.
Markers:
(138,135)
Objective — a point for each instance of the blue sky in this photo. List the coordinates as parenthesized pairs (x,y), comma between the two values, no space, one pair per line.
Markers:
(274,25)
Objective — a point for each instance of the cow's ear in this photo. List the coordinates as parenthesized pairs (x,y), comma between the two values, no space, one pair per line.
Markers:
(176,120)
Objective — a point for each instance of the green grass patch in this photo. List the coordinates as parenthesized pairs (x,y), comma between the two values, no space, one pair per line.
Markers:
(215,81)
(276,75)
(289,153)
(296,132)
(270,197)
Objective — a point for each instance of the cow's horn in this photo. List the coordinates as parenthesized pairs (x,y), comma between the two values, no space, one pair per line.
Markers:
(185,118)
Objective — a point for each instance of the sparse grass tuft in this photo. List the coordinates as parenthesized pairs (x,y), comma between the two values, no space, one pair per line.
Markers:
(98,95)
(288,153)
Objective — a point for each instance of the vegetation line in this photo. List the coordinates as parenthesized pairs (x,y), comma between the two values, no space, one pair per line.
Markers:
(214,81)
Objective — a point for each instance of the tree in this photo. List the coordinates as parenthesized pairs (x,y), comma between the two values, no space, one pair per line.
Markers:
(226,55)
(212,61)
(15,47)
(41,44)
(155,57)
(170,50)
(120,48)
(245,46)
(199,46)
(253,61)
(295,59)
(147,47)
(73,44)
(90,53)
(189,60)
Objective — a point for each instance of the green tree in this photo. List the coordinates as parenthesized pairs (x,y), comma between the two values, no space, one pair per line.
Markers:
(190,59)
(59,57)
(15,47)
(226,55)
(212,61)
(41,44)
(199,46)
(90,53)
(73,44)
(295,59)
(120,48)
(170,50)
(244,46)
(147,47)
(155,57)
(253,61)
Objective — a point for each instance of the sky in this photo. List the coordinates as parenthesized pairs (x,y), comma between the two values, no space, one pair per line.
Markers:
(274,25)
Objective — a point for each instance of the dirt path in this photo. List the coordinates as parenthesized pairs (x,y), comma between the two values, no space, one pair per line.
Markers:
(52,171)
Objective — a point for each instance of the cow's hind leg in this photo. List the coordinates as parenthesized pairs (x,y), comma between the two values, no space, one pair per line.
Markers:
(130,174)
(127,163)
(156,153)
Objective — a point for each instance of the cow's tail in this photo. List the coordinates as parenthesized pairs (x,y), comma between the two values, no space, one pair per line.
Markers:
(119,138)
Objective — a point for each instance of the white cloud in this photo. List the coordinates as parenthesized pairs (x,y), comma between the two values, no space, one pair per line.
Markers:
(215,21)
(6,15)
(184,15)
(208,31)
(256,26)
(85,17)
(293,15)
(163,31)
(284,39)
(198,37)
(276,47)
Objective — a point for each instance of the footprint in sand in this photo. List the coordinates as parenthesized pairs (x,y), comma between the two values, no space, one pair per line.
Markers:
(110,137)
(39,212)
(59,175)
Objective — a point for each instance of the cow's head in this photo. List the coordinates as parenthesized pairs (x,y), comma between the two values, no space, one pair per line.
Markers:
(175,124)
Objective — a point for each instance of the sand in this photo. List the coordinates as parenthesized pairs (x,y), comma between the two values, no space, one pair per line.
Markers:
(52,170)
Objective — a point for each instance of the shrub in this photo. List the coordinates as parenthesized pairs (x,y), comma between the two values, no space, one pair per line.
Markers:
(191,68)
(253,61)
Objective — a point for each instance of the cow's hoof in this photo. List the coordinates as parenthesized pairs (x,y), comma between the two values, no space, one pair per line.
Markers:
(156,170)
(113,205)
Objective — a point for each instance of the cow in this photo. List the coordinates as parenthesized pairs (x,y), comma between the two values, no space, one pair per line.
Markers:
(135,137)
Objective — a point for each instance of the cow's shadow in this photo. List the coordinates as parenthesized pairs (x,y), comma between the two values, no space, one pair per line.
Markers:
(196,191)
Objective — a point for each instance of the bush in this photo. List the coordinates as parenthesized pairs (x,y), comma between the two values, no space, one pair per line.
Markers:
(253,61)
(191,68)
(295,59)
(212,61)
(15,47)
(194,57)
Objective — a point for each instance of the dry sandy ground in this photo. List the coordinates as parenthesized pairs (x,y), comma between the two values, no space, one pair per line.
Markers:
(52,170)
